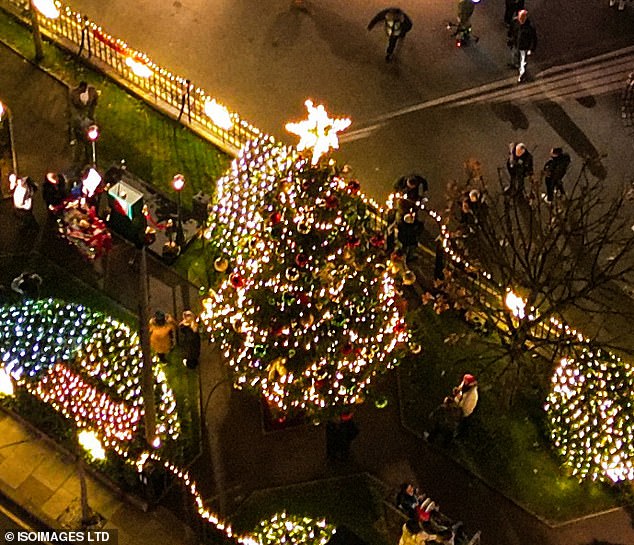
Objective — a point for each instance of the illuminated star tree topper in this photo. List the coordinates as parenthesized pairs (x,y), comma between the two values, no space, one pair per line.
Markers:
(318,132)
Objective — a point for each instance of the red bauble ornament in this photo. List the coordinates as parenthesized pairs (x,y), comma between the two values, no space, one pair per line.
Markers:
(236,280)
(275,218)
(320,384)
(400,327)
(377,241)
(303,299)
(347,349)
(301,260)
(332,202)
(353,187)
(353,242)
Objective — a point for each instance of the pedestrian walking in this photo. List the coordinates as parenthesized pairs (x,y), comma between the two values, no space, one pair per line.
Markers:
(621,4)
(512,7)
(522,39)
(463,26)
(554,171)
(162,328)
(189,339)
(397,25)
(520,168)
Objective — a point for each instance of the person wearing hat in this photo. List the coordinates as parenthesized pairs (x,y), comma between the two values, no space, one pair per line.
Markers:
(189,339)
(162,334)
(466,395)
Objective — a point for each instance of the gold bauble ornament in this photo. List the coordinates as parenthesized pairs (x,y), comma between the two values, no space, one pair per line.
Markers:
(307,320)
(409,277)
(221,264)
(277,368)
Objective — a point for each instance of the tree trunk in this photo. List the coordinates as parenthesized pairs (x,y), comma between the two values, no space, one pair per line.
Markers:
(147,375)
(37,35)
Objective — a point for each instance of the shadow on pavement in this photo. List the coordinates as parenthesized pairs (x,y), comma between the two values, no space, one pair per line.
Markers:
(512,114)
(570,132)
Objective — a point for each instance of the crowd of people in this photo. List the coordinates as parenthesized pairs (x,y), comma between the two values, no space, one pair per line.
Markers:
(521,31)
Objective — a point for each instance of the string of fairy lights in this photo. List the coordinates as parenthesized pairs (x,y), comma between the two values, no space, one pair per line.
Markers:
(57,350)
(280,528)
(590,406)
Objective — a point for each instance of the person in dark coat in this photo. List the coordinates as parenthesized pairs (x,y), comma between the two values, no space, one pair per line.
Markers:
(522,39)
(414,188)
(189,339)
(409,231)
(53,190)
(512,8)
(554,171)
(444,421)
(520,168)
(397,25)
(339,436)
(408,500)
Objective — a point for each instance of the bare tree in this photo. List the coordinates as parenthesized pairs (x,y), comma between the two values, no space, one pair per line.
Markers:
(526,267)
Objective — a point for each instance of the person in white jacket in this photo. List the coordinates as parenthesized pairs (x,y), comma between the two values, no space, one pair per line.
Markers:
(466,395)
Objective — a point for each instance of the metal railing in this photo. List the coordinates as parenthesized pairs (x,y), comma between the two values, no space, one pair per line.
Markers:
(177,96)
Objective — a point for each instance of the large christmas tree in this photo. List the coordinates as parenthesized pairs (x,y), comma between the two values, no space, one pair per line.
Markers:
(307,313)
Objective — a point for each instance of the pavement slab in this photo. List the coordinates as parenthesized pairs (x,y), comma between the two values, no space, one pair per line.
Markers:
(57,504)
(34,492)
(53,471)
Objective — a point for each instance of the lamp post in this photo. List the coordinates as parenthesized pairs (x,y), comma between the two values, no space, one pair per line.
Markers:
(48,9)
(178,182)
(92,133)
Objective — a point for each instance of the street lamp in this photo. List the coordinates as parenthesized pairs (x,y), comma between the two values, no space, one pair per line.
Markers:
(49,10)
(92,133)
(515,304)
(178,182)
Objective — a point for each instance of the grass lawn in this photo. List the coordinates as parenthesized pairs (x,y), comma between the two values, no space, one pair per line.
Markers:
(352,501)
(508,449)
(154,146)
